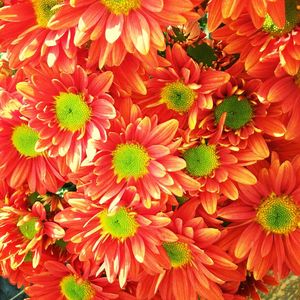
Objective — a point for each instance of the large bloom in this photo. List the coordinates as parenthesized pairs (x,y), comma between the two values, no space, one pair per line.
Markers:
(70,282)
(255,45)
(217,168)
(116,28)
(197,264)
(245,115)
(181,89)
(122,240)
(264,223)
(68,110)
(23,231)
(26,37)
(139,154)
(221,10)
(20,162)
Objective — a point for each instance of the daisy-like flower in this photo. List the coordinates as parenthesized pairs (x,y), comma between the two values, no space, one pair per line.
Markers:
(116,28)
(20,163)
(23,232)
(197,264)
(256,9)
(27,38)
(68,110)
(255,45)
(245,115)
(70,282)
(217,168)
(181,89)
(122,240)
(264,223)
(139,153)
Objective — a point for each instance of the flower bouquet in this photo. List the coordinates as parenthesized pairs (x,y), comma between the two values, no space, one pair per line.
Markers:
(149,149)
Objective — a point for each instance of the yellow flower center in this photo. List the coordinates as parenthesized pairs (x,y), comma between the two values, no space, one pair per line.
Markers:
(44,10)
(74,288)
(292,15)
(24,140)
(121,7)
(30,228)
(178,97)
(201,160)
(278,214)
(130,160)
(119,224)
(72,112)
(178,253)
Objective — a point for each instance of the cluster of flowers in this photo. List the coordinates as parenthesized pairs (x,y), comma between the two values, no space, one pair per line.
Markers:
(148,148)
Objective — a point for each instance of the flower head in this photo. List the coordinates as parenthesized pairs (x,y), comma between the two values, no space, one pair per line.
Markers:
(131,232)
(140,155)
(28,40)
(23,232)
(70,282)
(116,28)
(269,217)
(68,111)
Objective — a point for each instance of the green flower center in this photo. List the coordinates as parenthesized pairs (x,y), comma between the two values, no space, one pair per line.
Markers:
(201,160)
(178,253)
(239,112)
(120,224)
(72,112)
(119,7)
(278,214)
(178,97)
(43,10)
(30,228)
(24,140)
(130,160)
(76,288)
(292,16)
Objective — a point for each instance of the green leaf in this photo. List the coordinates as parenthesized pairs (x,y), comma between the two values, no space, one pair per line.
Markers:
(202,54)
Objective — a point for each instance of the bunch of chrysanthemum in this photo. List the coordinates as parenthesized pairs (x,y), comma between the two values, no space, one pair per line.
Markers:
(149,148)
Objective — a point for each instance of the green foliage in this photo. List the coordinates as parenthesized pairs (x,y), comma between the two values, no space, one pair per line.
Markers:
(202,54)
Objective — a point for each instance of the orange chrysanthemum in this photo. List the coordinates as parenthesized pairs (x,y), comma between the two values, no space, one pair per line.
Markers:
(68,110)
(138,153)
(22,232)
(70,281)
(181,89)
(122,241)
(257,10)
(264,223)
(197,264)
(20,162)
(254,45)
(26,37)
(245,115)
(217,168)
(116,28)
